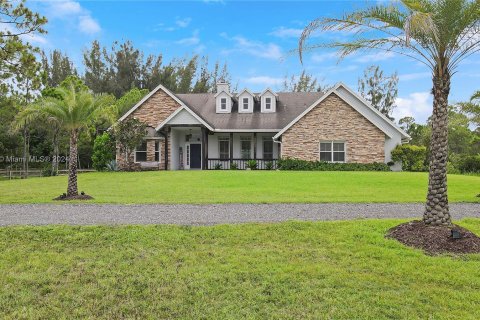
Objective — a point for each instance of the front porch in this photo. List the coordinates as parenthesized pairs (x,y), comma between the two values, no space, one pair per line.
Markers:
(197,148)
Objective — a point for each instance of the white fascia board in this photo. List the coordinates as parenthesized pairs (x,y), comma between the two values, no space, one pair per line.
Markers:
(246,130)
(245,90)
(304,113)
(159,87)
(268,90)
(381,115)
(363,101)
(184,107)
(228,93)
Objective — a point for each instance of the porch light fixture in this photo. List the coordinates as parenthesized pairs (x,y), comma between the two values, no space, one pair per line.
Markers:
(456,234)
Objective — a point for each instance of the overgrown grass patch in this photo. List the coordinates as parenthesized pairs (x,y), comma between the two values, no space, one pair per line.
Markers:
(241,187)
(293,270)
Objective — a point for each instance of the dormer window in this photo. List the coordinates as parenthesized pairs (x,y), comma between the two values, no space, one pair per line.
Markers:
(268,100)
(245,103)
(268,103)
(223,103)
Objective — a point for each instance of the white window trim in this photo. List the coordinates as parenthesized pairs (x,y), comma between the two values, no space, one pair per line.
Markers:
(223,139)
(273,102)
(159,152)
(331,150)
(146,153)
(268,104)
(249,139)
(243,104)
(187,155)
(221,104)
(135,154)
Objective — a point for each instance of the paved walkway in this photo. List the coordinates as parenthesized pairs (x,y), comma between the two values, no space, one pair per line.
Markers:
(110,214)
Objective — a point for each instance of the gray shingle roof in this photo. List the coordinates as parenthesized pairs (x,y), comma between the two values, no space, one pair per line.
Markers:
(289,106)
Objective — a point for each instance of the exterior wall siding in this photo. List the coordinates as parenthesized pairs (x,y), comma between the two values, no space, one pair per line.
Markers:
(334,120)
(152,112)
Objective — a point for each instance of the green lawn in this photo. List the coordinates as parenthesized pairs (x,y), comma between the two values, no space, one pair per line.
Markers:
(241,186)
(292,270)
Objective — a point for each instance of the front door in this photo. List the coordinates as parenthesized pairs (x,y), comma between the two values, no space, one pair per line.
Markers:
(195,156)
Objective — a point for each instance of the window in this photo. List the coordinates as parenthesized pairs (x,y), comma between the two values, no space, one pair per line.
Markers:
(267,148)
(141,152)
(245,103)
(246,147)
(223,103)
(332,151)
(224,147)
(157,151)
(268,103)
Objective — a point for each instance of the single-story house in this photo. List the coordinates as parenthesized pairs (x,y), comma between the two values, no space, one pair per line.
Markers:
(216,130)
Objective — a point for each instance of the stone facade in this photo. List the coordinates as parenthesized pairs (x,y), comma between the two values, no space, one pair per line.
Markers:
(334,120)
(152,112)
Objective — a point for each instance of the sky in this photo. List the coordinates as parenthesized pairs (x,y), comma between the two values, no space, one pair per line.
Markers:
(255,39)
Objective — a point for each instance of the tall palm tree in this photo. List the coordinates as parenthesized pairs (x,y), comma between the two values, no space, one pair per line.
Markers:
(437,33)
(73,110)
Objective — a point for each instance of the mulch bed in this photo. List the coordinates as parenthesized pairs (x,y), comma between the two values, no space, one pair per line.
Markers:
(435,239)
(77,197)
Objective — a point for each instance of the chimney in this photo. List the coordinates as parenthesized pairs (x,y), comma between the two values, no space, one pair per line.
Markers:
(223,86)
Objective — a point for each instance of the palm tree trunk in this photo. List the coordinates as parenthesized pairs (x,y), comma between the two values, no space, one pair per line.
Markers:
(72,189)
(436,209)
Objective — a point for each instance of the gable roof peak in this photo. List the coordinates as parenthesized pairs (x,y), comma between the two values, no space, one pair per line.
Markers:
(268,90)
(246,90)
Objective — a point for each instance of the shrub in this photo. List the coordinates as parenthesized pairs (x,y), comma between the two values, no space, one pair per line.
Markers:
(112,166)
(469,164)
(252,164)
(269,165)
(303,165)
(218,166)
(412,157)
(103,151)
(47,170)
(452,169)
(233,166)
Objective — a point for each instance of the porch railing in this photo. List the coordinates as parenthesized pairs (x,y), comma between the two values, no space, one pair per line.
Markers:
(241,164)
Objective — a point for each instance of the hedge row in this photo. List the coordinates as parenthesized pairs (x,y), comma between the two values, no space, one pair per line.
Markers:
(303,165)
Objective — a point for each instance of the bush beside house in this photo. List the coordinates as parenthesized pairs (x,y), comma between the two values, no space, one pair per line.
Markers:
(303,165)
(412,157)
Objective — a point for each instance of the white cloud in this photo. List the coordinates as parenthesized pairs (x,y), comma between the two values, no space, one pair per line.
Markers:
(183,23)
(30,37)
(283,32)
(375,57)
(254,48)
(66,8)
(72,10)
(191,41)
(417,105)
(35,38)
(88,25)
(264,81)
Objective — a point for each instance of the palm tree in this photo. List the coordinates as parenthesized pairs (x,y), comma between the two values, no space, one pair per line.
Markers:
(73,109)
(437,33)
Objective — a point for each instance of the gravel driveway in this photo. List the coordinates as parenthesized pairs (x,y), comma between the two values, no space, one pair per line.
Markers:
(94,214)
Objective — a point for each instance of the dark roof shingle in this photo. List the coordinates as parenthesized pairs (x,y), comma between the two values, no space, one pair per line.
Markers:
(289,106)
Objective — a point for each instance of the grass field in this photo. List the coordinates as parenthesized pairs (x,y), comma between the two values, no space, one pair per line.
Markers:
(241,187)
(292,270)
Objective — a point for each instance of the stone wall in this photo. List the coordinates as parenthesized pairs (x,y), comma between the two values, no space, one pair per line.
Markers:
(152,112)
(334,120)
